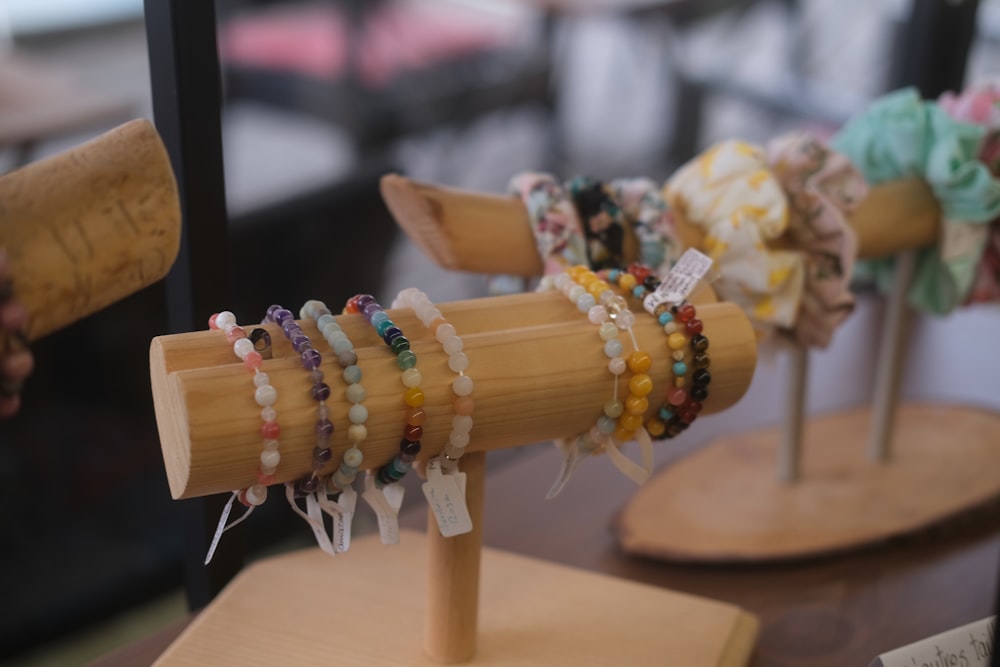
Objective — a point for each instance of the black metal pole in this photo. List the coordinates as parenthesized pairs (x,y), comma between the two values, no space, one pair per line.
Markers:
(932,47)
(187,105)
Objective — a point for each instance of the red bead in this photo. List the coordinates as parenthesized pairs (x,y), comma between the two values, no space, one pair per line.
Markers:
(413,433)
(676,396)
(266,480)
(639,271)
(693,326)
(688,416)
(211,321)
(252,360)
(352,305)
(685,312)
(270,430)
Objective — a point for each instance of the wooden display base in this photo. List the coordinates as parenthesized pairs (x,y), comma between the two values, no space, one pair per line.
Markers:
(365,608)
(724,503)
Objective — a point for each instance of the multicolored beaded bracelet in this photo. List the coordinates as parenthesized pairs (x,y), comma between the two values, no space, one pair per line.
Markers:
(683,328)
(320,391)
(458,362)
(347,358)
(620,421)
(265,395)
(413,397)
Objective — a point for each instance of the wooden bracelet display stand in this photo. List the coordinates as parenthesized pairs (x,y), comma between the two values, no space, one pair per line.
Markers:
(538,374)
(724,502)
(89,226)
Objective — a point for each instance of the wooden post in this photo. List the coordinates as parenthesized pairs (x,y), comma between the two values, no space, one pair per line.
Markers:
(453,576)
(89,226)
(790,452)
(891,352)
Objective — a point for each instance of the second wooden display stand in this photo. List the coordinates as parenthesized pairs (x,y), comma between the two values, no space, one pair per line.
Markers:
(539,372)
(725,501)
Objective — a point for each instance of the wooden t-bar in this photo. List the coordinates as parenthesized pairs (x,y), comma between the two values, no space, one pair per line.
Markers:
(90,226)
(485,233)
(538,366)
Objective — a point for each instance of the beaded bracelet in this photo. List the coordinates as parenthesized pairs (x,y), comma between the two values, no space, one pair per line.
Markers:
(265,395)
(347,358)
(444,332)
(320,391)
(683,328)
(620,421)
(406,359)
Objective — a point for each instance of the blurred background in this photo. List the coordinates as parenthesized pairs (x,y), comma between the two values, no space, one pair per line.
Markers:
(320,98)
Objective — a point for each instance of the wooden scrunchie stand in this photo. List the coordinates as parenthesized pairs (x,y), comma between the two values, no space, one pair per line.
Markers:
(724,502)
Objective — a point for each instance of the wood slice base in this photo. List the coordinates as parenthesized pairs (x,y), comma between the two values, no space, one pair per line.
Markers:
(724,503)
(366,607)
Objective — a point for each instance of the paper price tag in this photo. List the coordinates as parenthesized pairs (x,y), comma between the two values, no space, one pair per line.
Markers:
(445,493)
(385,502)
(342,521)
(679,282)
(966,646)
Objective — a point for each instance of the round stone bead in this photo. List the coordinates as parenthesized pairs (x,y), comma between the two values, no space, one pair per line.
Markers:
(457,439)
(406,359)
(348,358)
(352,374)
(701,377)
(265,395)
(639,362)
(353,457)
(585,302)
(617,366)
(458,362)
(270,458)
(411,377)
(357,413)
(355,393)
(676,341)
(269,414)
(613,408)
(463,406)
(607,331)
(699,393)
(357,433)
(452,345)
(655,428)
(341,345)
(444,332)
(613,348)
(462,386)
(623,434)
(416,416)
(699,343)
(685,312)
(694,326)
(625,319)
(411,447)
(630,421)
(321,391)
(412,433)
(701,361)
(680,368)
(676,396)
(636,405)
(260,379)
(243,347)
(222,320)
(322,456)
(640,384)
(324,428)
(256,495)
(606,424)
(461,423)
(414,397)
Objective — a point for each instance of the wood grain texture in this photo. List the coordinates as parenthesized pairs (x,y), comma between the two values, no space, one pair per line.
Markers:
(538,367)
(90,226)
(364,609)
(723,504)
(486,233)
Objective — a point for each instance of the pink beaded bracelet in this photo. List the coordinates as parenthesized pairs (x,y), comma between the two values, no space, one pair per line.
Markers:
(265,396)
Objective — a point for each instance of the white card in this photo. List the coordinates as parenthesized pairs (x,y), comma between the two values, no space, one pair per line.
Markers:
(679,282)
(445,493)
(970,645)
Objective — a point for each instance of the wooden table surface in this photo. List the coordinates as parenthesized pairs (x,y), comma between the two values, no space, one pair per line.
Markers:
(837,611)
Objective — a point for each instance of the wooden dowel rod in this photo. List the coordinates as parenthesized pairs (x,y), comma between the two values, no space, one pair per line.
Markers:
(790,450)
(538,369)
(487,233)
(90,226)
(891,352)
(453,576)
